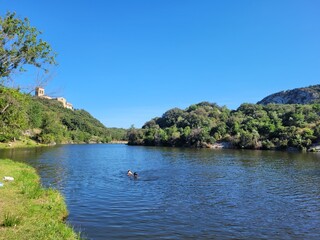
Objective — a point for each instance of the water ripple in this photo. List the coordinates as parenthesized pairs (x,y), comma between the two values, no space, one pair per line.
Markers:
(183,193)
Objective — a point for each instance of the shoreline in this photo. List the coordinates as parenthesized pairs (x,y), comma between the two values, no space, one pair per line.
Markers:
(33,144)
(118,142)
(21,144)
(315,148)
(27,210)
(218,145)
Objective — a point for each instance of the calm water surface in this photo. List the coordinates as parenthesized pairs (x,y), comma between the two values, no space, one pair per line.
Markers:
(182,193)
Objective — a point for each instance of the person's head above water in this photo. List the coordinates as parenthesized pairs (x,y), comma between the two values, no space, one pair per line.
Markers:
(135,174)
(129,173)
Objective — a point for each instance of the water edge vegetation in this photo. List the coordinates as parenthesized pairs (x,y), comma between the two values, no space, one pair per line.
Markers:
(251,126)
(28,211)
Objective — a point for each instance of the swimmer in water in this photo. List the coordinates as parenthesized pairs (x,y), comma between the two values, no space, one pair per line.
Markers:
(135,175)
(129,173)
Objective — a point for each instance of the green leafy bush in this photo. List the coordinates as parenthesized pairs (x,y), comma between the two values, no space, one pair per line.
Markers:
(252,126)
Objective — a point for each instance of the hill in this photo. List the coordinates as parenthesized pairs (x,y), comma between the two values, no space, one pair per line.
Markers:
(306,95)
(251,126)
(45,121)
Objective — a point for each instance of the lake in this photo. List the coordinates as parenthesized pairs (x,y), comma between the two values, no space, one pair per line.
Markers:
(182,193)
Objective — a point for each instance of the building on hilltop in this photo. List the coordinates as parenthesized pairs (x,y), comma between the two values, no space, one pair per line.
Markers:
(39,92)
(69,106)
(62,100)
(64,103)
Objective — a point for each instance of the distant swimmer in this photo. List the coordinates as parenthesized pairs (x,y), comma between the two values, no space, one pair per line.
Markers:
(129,173)
(135,175)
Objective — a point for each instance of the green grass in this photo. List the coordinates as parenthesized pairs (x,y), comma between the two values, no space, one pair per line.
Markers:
(25,143)
(10,220)
(28,211)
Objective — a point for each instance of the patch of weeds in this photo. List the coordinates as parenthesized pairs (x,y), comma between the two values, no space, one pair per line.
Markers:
(10,220)
(32,190)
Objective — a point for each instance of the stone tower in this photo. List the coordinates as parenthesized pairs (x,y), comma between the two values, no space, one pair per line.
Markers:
(39,91)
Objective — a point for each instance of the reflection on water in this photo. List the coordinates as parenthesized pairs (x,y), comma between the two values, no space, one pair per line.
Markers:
(182,193)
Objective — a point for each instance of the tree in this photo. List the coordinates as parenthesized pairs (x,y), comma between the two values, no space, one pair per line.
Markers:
(13,115)
(35,113)
(20,45)
(135,136)
(170,117)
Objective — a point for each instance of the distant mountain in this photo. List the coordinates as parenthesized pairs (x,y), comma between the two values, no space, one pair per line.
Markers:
(306,95)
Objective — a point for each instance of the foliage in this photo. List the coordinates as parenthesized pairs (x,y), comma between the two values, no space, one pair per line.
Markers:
(251,126)
(13,114)
(20,45)
(48,122)
(10,220)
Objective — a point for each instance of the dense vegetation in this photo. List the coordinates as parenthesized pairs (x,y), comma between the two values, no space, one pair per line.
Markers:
(47,121)
(251,126)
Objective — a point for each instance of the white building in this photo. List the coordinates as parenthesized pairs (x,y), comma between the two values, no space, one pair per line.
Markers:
(39,92)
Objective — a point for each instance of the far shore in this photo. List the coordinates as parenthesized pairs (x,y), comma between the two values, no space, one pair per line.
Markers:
(118,142)
(217,145)
(32,144)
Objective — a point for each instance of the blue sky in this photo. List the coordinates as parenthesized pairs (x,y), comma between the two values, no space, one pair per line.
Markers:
(127,61)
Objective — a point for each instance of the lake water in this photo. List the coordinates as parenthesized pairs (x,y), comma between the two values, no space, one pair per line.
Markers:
(182,193)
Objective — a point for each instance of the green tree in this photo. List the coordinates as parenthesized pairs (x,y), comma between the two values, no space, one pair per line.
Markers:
(252,126)
(52,129)
(20,45)
(135,136)
(170,118)
(13,114)
(35,113)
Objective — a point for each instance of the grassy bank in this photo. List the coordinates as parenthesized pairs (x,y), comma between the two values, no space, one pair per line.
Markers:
(21,144)
(28,211)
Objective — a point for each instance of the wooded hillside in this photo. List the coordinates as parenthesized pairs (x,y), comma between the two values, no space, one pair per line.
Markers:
(46,121)
(251,126)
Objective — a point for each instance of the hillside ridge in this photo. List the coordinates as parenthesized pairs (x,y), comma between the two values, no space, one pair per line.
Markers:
(304,95)
(34,119)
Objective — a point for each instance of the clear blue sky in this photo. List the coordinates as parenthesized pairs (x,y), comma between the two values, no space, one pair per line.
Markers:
(127,61)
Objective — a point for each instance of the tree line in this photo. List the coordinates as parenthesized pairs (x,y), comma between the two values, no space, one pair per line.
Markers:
(251,126)
(46,121)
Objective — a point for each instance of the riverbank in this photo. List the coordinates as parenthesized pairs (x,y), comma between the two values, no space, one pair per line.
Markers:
(118,142)
(28,211)
(28,143)
(21,144)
